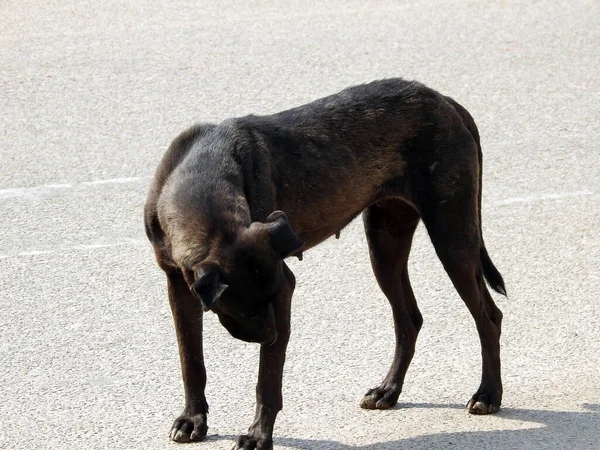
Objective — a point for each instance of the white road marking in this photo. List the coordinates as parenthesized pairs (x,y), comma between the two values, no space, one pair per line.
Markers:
(116,181)
(69,248)
(53,189)
(539,197)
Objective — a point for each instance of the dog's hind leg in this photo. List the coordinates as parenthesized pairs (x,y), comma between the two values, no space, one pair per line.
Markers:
(452,218)
(390,226)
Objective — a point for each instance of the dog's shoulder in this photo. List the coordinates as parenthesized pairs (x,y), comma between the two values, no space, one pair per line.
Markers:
(174,155)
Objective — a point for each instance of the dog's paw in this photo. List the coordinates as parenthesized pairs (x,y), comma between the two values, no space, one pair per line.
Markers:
(382,397)
(245,442)
(189,428)
(485,402)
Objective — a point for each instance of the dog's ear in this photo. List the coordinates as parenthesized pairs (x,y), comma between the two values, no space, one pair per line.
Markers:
(283,239)
(208,285)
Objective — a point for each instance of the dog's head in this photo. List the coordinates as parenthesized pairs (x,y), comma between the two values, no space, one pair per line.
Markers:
(243,276)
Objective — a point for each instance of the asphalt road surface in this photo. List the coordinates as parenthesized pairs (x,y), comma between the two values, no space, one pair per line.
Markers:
(93,92)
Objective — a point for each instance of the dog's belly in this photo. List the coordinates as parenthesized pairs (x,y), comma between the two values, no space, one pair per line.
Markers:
(318,216)
(315,235)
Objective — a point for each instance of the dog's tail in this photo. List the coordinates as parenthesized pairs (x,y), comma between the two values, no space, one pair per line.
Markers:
(491,274)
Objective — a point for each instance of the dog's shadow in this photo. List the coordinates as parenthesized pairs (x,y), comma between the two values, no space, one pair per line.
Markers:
(550,429)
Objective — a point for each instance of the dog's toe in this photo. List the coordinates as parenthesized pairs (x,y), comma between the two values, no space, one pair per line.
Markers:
(189,429)
(484,403)
(245,442)
(382,397)
(477,407)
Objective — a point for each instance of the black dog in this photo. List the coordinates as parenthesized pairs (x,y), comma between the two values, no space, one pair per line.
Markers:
(229,202)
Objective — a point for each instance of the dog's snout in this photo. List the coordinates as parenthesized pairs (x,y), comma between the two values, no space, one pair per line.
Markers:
(261,327)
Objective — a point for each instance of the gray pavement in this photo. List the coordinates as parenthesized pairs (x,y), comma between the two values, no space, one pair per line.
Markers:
(92,93)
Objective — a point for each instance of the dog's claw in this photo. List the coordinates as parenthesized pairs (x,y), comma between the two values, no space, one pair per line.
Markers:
(189,428)
(484,403)
(380,398)
(478,408)
(245,442)
(337,235)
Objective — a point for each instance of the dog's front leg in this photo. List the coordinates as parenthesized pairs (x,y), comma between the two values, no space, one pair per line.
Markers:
(187,314)
(269,399)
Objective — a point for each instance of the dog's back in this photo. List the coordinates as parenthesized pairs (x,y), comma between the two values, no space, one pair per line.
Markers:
(331,158)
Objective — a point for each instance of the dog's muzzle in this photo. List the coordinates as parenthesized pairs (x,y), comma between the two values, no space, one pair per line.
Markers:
(261,328)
